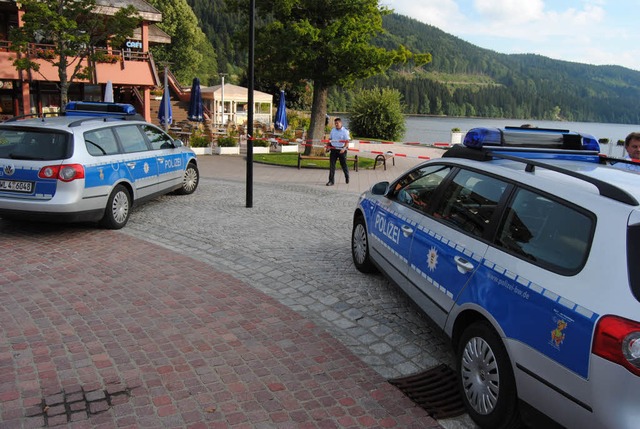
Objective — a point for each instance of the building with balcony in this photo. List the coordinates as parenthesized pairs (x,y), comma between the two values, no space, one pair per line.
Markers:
(130,68)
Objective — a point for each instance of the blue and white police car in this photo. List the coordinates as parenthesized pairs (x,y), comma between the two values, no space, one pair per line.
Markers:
(92,164)
(523,245)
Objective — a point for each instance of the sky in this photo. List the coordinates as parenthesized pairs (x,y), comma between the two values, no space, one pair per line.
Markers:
(585,31)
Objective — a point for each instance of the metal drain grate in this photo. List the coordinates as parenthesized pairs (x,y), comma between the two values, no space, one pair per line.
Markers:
(435,390)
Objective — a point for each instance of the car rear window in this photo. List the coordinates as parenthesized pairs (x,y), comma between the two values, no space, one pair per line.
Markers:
(101,142)
(34,144)
(546,231)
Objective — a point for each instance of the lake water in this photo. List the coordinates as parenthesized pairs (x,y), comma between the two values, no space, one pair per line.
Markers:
(429,130)
(423,129)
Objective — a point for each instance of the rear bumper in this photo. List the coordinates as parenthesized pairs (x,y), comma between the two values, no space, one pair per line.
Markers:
(84,216)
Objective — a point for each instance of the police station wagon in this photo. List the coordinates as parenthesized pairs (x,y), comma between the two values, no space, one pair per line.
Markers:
(528,258)
(93,164)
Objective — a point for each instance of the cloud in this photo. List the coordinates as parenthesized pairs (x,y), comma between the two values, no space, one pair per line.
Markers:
(586,31)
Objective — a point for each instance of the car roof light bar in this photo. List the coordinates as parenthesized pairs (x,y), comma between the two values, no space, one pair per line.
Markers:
(542,138)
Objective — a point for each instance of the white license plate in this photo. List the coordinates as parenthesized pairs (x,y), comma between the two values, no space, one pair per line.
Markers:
(15,186)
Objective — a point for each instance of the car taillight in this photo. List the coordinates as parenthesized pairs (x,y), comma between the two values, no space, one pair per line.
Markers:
(618,340)
(65,172)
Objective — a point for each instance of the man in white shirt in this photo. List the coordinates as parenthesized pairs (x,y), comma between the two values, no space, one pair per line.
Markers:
(338,144)
(632,146)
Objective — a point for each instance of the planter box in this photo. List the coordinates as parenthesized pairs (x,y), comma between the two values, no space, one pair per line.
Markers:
(287,148)
(234,150)
(202,150)
(260,149)
(456,137)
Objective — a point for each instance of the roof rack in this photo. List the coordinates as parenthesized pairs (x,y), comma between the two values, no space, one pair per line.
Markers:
(80,121)
(606,189)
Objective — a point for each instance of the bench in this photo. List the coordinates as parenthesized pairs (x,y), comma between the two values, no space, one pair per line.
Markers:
(326,158)
(382,159)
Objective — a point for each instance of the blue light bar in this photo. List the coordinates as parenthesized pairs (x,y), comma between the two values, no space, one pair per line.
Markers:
(524,137)
(96,108)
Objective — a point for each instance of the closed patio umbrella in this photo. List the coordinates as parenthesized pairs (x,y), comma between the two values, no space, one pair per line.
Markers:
(108,92)
(165,114)
(281,114)
(195,112)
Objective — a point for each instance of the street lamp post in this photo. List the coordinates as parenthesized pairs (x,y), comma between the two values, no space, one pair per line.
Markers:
(222,75)
(252,8)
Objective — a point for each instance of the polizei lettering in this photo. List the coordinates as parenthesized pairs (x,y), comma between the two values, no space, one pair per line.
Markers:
(388,229)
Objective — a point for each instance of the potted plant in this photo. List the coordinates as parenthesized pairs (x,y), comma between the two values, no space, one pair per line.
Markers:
(261,145)
(227,145)
(200,143)
(287,142)
(456,136)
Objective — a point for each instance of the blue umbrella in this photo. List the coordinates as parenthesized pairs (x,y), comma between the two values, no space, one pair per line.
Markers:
(281,114)
(165,104)
(195,102)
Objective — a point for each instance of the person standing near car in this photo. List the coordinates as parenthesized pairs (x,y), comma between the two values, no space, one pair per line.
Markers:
(338,146)
(632,146)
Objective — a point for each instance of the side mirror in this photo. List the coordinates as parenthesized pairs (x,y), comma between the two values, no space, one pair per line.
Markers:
(178,143)
(380,188)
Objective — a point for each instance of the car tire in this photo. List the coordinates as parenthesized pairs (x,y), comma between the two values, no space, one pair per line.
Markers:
(360,247)
(486,379)
(118,210)
(190,180)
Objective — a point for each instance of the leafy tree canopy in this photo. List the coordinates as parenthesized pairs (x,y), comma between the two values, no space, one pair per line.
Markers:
(74,31)
(190,53)
(325,42)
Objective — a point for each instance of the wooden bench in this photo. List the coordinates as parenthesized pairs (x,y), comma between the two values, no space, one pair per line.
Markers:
(382,159)
(326,158)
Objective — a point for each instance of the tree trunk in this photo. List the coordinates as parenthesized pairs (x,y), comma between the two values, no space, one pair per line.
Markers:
(318,115)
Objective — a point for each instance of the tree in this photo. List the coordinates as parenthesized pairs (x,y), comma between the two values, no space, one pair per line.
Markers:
(325,42)
(377,113)
(190,53)
(74,28)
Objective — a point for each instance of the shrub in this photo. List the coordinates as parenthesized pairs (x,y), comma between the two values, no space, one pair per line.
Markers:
(227,141)
(199,141)
(455,130)
(603,141)
(377,113)
(261,143)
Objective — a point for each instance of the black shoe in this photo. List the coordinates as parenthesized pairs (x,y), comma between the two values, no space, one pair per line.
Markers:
(329,183)
(347,179)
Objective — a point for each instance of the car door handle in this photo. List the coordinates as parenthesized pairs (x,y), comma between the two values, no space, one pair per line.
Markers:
(406,230)
(160,159)
(463,265)
(131,164)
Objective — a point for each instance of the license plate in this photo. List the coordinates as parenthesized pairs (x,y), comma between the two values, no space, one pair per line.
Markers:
(15,186)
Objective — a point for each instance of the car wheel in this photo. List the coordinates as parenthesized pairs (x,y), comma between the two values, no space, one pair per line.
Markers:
(486,379)
(360,247)
(116,214)
(190,180)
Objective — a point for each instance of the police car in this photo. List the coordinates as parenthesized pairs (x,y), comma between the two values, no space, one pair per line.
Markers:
(92,164)
(523,245)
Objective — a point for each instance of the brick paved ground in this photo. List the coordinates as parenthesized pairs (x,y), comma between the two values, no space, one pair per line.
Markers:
(236,321)
(108,331)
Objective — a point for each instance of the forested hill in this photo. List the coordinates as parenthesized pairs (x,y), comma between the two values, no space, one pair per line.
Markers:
(464,79)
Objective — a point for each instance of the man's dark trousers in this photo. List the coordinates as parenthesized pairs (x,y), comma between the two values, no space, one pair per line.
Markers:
(333,156)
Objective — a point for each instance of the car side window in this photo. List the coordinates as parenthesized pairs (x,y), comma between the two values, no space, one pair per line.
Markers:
(417,188)
(158,139)
(131,138)
(469,201)
(547,232)
(101,142)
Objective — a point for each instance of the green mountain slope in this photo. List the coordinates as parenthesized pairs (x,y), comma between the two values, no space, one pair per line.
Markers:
(463,79)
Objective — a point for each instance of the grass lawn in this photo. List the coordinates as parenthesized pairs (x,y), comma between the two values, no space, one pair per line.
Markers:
(291,160)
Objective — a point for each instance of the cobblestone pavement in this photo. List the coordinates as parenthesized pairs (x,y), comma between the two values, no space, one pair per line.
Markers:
(105,330)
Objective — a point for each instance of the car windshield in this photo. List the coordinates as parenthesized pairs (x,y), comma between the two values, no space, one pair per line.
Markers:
(33,144)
